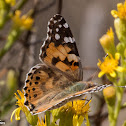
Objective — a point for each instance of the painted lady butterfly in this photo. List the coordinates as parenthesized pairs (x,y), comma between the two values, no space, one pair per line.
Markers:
(59,78)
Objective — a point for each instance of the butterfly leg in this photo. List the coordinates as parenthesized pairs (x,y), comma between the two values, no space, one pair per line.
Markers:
(87,101)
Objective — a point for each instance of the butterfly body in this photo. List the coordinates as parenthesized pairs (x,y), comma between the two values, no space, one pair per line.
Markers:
(58,79)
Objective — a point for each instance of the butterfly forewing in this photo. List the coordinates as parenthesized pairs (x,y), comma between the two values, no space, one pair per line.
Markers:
(59,49)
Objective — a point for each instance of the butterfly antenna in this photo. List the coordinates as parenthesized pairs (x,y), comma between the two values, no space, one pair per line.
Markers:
(120,86)
(106,55)
(87,101)
(107,85)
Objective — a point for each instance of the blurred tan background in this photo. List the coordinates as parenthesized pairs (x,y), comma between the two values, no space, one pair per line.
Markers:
(88,20)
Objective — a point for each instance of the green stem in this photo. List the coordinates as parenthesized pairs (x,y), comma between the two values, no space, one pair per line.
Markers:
(118,105)
(12,37)
(111,114)
(4,13)
(48,118)
(20,4)
(119,93)
(111,106)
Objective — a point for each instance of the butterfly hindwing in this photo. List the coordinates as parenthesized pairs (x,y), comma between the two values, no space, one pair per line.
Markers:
(59,49)
(42,85)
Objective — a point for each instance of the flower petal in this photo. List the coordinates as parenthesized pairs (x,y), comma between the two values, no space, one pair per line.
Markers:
(120,69)
(119,6)
(113,74)
(99,63)
(77,120)
(16,112)
(87,120)
(101,74)
(114,13)
(117,56)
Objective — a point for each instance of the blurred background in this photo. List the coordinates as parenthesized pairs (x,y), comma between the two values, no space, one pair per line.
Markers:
(88,20)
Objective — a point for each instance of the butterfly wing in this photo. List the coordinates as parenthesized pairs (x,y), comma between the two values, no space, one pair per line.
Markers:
(46,89)
(42,85)
(59,50)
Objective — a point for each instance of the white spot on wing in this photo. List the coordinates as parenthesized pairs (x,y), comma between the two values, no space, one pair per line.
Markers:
(57,29)
(72,57)
(66,39)
(65,25)
(55,15)
(57,36)
(55,21)
(60,19)
(51,19)
(70,39)
(60,26)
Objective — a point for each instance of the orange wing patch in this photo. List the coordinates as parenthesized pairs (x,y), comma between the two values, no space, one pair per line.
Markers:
(60,58)
(62,66)
(55,52)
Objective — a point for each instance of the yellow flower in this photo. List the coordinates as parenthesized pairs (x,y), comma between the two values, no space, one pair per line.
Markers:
(121,11)
(25,22)
(41,122)
(81,110)
(32,119)
(11,2)
(75,111)
(110,65)
(80,107)
(107,41)
(20,103)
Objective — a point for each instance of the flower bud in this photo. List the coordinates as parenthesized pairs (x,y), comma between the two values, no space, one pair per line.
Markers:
(110,95)
(12,80)
(120,48)
(107,42)
(125,53)
(120,27)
